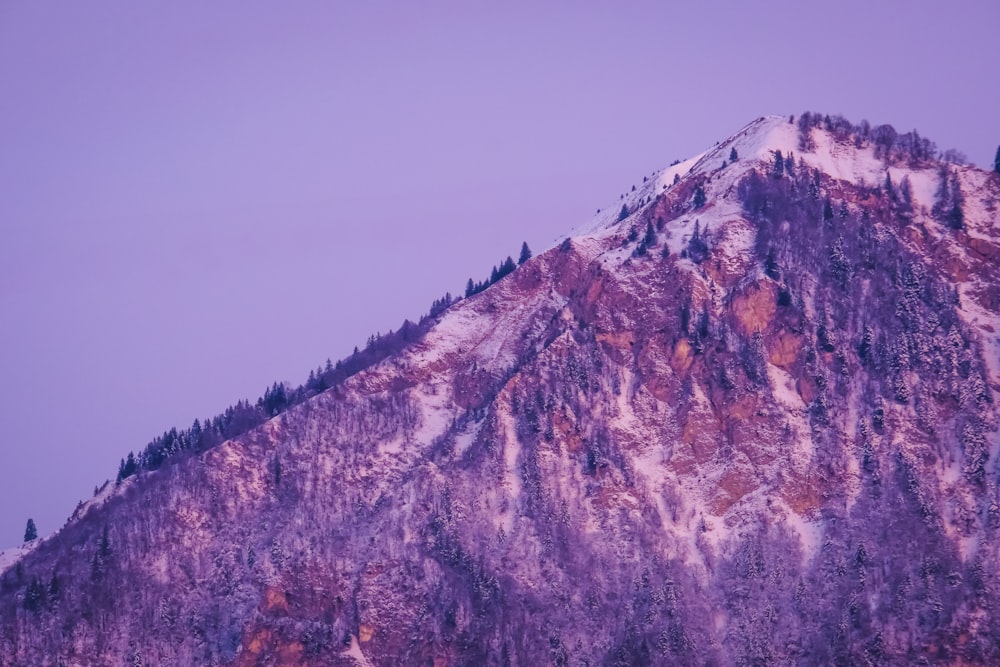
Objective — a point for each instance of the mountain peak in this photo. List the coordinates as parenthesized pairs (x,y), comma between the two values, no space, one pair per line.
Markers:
(753,395)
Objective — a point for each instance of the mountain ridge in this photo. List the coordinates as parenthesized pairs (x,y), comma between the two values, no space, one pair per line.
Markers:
(612,443)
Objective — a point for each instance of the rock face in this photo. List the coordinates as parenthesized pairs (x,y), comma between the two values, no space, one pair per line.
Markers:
(761,431)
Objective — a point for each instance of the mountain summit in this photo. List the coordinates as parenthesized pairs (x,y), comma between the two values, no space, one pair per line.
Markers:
(746,415)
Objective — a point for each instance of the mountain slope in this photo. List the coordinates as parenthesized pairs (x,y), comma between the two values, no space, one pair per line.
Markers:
(759,430)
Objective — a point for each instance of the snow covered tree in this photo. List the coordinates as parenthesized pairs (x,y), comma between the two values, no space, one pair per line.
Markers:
(30,531)
(525,254)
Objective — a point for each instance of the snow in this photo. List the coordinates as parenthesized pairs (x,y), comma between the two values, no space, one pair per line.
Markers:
(844,161)
(437,410)
(10,557)
(810,532)
(923,185)
(354,651)
(511,454)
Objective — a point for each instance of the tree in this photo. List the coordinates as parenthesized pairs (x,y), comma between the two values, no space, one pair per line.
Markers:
(622,214)
(827,210)
(525,254)
(697,245)
(130,466)
(955,216)
(733,156)
(30,531)
(948,200)
(470,288)
(996,161)
(889,189)
(650,238)
(699,197)
(779,165)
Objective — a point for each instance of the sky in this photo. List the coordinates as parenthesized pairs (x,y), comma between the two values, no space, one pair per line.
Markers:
(198,199)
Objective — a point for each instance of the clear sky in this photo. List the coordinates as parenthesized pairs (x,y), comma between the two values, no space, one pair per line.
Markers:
(197,199)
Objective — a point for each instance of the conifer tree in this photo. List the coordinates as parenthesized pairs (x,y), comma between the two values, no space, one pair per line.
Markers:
(827,210)
(733,156)
(30,531)
(889,189)
(525,254)
(699,197)
(622,214)
(996,161)
(956,218)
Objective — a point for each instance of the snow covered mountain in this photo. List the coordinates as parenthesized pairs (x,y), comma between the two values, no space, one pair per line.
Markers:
(746,415)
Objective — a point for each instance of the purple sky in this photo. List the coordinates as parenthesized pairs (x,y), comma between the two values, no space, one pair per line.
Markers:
(201,198)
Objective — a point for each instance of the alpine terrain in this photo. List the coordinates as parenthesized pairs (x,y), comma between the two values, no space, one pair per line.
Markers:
(745,416)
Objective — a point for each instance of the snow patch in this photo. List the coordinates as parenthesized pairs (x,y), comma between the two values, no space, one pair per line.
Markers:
(810,532)
(10,557)
(354,651)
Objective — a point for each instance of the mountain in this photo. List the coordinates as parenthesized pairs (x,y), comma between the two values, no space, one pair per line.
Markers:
(746,415)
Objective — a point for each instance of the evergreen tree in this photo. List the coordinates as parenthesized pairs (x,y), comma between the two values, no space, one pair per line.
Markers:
(698,245)
(996,161)
(779,165)
(942,197)
(104,546)
(622,214)
(733,155)
(677,179)
(699,197)
(30,531)
(34,595)
(906,192)
(827,210)
(650,238)
(54,590)
(470,288)
(889,189)
(956,218)
(525,254)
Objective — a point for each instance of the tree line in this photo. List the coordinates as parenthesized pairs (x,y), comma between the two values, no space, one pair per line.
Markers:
(172,445)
